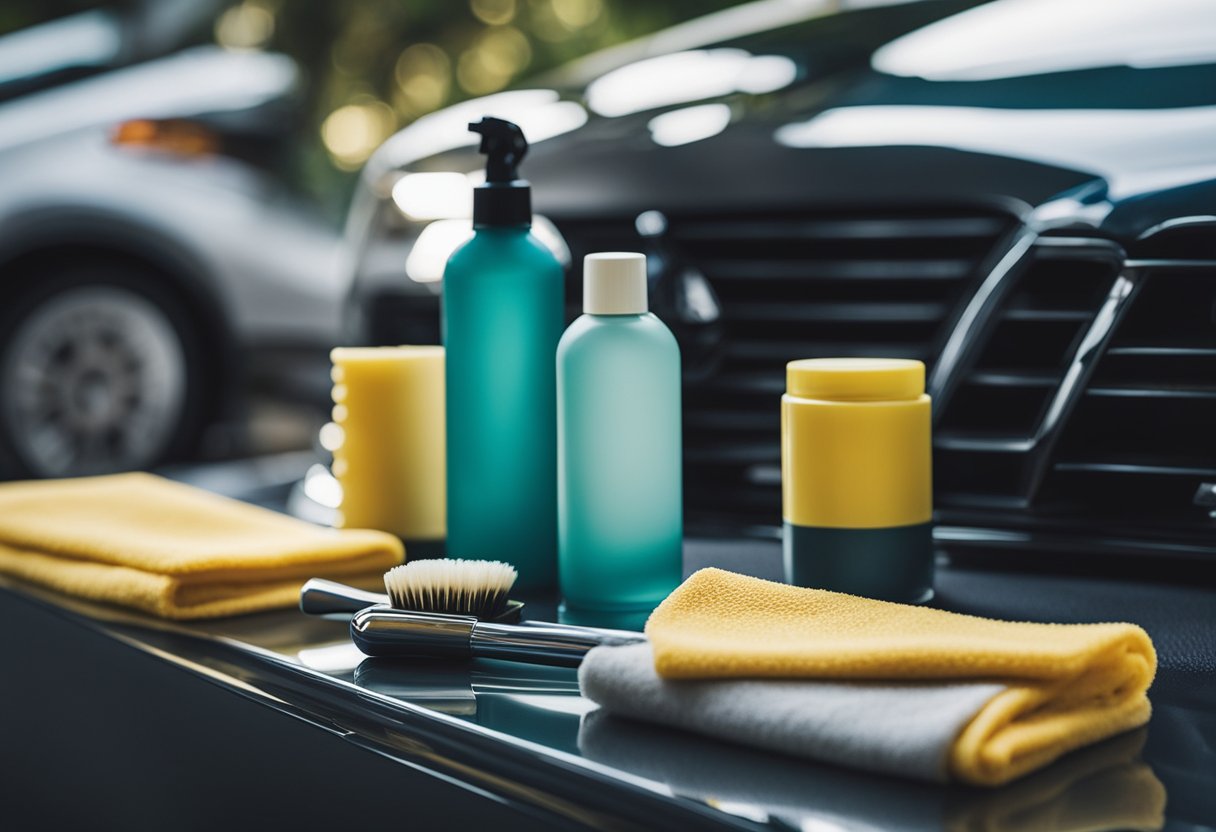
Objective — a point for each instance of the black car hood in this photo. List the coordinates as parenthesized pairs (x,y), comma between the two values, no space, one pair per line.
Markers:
(605,170)
(1069,133)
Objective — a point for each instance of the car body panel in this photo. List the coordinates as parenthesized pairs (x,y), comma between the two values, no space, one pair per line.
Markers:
(252,274)
(66,183)
(849,132)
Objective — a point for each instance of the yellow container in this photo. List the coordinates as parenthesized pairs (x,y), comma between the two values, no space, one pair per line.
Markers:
(856,462)
(389,403)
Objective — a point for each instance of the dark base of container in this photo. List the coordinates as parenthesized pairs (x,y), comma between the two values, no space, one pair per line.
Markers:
(891,564)
(634,619)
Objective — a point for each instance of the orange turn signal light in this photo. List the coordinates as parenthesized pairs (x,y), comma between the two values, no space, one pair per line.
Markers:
(175,135)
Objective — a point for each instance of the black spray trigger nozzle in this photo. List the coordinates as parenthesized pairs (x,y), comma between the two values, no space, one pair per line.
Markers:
(504,145)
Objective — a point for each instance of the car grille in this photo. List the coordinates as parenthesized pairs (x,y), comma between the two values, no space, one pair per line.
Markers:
(1074,385)
(792,287)
(992,422)
(1083,417)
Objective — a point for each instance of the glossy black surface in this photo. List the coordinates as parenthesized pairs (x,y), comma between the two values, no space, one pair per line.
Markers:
(516,745)
(885,105)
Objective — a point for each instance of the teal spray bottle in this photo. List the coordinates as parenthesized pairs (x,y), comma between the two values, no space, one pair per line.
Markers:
(503,312)
(619,449)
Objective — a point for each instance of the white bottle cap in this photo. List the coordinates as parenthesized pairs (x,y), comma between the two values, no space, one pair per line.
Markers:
(614,283)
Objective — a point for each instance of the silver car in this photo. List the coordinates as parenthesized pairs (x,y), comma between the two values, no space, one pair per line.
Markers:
(150,265)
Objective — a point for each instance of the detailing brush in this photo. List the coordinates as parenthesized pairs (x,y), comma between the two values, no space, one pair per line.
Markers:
(452,609)
(455,587)
(452,587)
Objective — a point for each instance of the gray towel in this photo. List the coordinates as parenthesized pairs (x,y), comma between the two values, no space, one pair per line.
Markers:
(896,728)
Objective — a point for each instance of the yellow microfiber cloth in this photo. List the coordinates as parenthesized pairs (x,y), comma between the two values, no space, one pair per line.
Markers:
(1064,685)
(170,549)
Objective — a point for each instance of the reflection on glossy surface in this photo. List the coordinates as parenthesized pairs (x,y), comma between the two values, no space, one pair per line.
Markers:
(434,195)
(439,239)
(1016,38)
(683,77)
(1104,787)
(691,124)
(537,703)
(90,39)
(339,659)
(433,247)
(540,113)
(1106,142)
(441,687)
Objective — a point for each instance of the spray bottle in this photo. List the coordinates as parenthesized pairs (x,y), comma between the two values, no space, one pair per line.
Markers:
(503,312)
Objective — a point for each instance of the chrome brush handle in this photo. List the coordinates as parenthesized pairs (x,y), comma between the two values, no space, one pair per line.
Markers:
(334,600)
(538,643)
(387,632)
(400,633)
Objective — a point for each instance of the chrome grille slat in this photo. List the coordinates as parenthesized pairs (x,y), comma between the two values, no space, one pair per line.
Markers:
(731,420)
(875,270)
(1048,315)
(737,454)
(980,443)
(744,384)
(1014,378)
(1149,350)
(1137,468)
(781,351)
(1143,392)
(831,312)
(855,229)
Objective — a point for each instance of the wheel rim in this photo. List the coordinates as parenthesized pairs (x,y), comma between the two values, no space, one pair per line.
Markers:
(93,381)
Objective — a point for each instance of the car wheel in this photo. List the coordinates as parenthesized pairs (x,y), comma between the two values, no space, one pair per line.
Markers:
(95,376)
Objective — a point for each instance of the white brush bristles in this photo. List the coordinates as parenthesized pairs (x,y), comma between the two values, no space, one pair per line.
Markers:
(456,586)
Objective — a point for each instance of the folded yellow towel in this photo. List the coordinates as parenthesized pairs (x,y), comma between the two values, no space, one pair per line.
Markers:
(171,549)
(1066,685)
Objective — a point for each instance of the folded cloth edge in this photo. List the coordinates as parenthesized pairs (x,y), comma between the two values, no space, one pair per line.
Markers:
(251,537)
(1023,729)
(719,624)
(168,596)
(905,729)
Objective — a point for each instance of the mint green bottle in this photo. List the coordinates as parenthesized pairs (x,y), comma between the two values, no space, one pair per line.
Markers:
(620,517)
(503,312)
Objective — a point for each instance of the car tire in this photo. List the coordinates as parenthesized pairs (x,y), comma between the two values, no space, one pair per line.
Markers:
(100,372)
